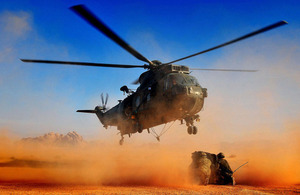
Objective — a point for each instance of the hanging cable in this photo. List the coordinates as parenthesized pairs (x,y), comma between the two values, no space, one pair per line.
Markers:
(163,131)
(153,132)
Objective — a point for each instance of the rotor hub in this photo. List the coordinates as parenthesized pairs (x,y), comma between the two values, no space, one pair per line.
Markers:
(156,62)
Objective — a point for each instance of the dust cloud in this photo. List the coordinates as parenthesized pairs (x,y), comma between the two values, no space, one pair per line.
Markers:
(271,162)
(138,163)
(95,162)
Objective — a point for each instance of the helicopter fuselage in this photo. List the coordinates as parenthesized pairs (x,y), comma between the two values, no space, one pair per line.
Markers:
(166,94)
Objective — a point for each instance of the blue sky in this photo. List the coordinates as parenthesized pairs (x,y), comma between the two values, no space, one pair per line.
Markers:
(38,98)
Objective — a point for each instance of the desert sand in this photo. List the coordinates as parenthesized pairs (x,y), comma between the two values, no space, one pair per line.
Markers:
(43,188)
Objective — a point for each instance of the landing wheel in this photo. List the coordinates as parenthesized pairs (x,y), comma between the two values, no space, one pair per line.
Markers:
(121,141)
(138,127)
(140,130)
(195,130)
(190,130)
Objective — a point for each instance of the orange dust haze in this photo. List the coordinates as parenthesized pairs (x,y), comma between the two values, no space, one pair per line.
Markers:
(270,161)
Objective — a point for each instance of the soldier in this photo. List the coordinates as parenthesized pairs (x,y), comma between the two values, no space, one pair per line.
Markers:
(200,168)
(224,172)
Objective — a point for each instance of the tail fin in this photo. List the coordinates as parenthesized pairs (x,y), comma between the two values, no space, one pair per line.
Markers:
(87,111)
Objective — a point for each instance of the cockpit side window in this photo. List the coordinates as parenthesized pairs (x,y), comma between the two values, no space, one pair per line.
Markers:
(170,81)
(181,79)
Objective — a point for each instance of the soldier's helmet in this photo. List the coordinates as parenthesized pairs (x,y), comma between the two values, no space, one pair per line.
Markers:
(221,155)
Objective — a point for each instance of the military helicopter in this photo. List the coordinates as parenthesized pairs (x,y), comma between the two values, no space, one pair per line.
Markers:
(167,92)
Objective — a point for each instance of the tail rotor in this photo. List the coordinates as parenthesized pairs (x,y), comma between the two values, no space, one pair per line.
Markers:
(104,103)
(99,108)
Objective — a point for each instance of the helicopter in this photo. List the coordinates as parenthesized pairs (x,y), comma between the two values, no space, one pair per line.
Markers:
(167,92)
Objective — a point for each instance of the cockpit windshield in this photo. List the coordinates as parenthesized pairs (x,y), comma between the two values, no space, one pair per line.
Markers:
(180,79)
(192,80)
(176,79)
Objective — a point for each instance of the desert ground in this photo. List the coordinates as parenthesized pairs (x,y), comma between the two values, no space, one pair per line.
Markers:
(43,188)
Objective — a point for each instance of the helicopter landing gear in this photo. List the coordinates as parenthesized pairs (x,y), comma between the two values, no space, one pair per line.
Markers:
(138,127)
(140,130)
(192,130)
(121,141)
(195,130)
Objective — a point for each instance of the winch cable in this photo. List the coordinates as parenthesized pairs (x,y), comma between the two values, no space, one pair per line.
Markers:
(163,131)
(153,132)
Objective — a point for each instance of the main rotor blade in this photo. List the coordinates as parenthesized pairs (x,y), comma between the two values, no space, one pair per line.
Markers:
(86,14)
(229,70)
(235,40)
(84,63)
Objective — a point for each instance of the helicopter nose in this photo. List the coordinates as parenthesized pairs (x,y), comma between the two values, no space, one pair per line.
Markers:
(193,91)
(195,97)
(198,92)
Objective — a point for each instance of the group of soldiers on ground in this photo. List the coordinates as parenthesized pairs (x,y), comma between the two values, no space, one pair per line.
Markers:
(208,168)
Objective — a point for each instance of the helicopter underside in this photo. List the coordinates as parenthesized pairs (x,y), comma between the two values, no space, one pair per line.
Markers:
(179,108)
